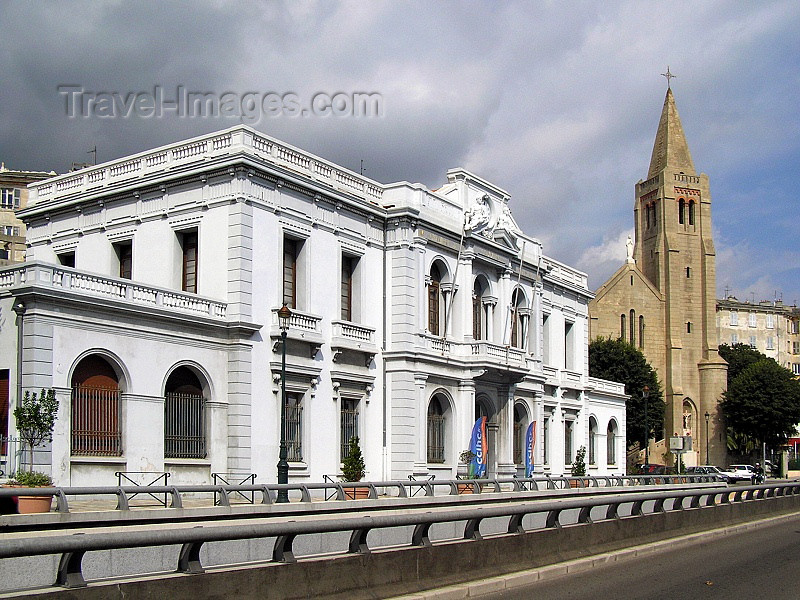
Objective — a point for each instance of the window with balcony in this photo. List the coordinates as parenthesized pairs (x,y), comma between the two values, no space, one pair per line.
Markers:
(569,346)
(437,307)
(347,288)
(124,252)
(67,259)
(480,310)
(518,319)
(189,260)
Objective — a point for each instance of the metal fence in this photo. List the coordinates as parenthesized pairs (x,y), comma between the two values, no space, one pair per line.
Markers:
(10,455)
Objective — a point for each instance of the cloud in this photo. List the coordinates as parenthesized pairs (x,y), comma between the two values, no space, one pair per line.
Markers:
(557,103)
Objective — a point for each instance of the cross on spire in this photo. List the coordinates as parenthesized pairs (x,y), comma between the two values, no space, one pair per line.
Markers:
(668,75)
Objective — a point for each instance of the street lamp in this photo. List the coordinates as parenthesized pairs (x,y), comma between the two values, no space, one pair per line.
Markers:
(645,395)
(284,316)
(707,416)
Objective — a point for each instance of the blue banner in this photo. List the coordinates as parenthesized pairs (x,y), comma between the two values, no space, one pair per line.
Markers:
(478,445)
(530,444)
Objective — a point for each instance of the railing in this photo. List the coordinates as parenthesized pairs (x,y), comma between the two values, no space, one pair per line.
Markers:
(215,144)
(72,548)
(300,321)
(65,278)
(10,454)
(220,479)
(353,331)
(342,490)
(161,478)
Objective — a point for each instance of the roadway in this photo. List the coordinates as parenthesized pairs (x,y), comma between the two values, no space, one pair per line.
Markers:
(752,561)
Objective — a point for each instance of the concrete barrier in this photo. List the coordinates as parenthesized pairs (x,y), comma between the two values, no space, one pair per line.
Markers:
(407,569)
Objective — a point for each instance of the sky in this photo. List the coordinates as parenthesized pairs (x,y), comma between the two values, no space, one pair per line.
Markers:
(555,102)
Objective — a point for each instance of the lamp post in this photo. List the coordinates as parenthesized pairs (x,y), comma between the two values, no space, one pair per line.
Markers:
(707,416)
(284,316)
(646,395)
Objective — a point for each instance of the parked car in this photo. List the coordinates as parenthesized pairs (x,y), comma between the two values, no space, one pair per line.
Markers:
(708,470)
(651,469)
(741,472)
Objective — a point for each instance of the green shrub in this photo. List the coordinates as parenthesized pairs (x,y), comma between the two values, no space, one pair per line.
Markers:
(32,479)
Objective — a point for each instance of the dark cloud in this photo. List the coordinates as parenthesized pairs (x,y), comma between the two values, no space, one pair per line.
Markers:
(558,104)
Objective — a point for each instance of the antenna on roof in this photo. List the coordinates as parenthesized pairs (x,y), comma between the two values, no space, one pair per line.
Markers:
(362,167)
(93,152)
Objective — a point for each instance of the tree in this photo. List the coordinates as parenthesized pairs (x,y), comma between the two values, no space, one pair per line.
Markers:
(353,464)
(739,357)
(762,403)
(619,361)
(35,417)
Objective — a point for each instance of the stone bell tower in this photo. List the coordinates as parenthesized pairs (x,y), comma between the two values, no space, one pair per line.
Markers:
(675,252)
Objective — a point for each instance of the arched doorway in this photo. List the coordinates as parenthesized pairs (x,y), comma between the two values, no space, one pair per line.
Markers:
(96,422)
(184,415)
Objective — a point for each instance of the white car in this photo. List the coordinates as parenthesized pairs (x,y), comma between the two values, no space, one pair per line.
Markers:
(741,472)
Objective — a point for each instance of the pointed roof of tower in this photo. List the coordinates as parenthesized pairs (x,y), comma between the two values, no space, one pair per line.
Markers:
(670,148)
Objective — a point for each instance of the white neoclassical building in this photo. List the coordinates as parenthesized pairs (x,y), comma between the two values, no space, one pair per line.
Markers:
(149,302)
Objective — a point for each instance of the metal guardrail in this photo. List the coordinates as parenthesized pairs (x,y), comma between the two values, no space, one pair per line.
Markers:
(341,490)
(125,477)
(72,547)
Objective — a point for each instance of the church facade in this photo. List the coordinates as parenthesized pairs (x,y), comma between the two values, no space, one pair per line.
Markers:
(149,303)
(663,299)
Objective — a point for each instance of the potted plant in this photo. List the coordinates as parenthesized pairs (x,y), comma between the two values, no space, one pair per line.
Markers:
(32,504)
(353,470)
(578,467)
(35,417)
(464,460)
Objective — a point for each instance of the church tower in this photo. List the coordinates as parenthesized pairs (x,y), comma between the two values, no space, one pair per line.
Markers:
(674,257)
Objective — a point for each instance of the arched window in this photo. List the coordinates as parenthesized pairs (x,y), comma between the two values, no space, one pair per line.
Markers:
(478,326)
(592,441)
(184,416)
(691,212)
(641,331)
(681,211)
(436,431)
(520,431)
(611,443)
(647,215)
(434,291)
(517,319)
(96,428)
(622,331)
(632,326)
